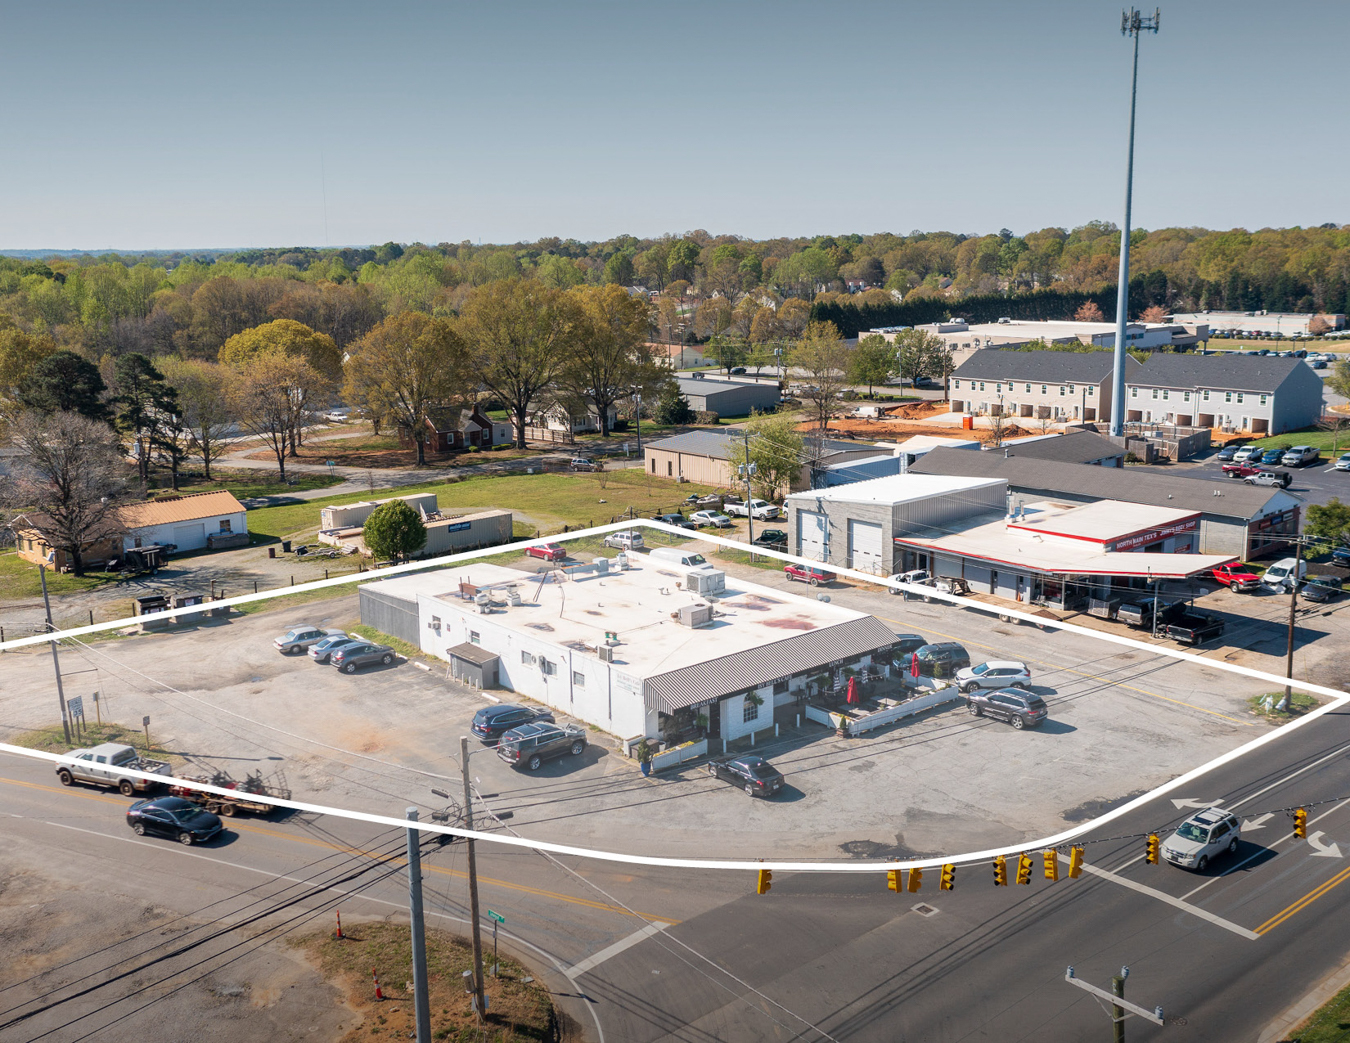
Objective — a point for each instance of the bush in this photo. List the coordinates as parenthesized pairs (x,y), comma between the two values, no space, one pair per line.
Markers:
(473,448)
(706,416)
(619,425)
(672,407)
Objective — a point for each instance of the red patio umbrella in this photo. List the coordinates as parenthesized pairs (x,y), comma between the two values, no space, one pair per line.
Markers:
(914,664)
(852,697)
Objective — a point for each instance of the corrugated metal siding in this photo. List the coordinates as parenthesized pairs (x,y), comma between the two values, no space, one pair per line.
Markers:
(396,617)
(758,666)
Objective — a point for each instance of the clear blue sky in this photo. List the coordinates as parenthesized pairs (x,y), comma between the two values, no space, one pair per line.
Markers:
(137,126)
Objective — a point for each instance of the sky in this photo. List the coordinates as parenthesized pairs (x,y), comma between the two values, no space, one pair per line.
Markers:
(197,125)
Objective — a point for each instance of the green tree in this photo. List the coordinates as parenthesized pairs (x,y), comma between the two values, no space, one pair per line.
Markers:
(727,352)
(672,407)
(269,396)
(143,402)
(65,382)
(1329,521)
(1339,380)
(404,369)
(19,353)
(204,406)
(394,532)
(609,357)
(920,353)
(872,362)
(619,269)
(774,447)
(317,353)
(821,354)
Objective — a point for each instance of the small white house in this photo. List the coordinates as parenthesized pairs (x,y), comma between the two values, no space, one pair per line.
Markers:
(195,522)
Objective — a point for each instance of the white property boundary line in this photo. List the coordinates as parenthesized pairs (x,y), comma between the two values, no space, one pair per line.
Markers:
(1338,699)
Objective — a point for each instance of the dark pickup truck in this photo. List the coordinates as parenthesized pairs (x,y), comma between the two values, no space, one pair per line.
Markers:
(1193,628)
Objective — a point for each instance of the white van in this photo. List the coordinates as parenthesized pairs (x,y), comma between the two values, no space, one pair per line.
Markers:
(1278,576)
(686,558)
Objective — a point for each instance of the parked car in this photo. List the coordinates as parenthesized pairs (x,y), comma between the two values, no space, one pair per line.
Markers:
(751,773)
(335,416)
(1244,455)
(905,646)
(914,577)
(760,510)
(677,519)
(322,650)
(1342,463)
(811,574)
(628,539)
(942,658)
(1226,454)
(547,551)
(737,371)
(351,658)
(1236,470)
(300,638)
(529,745)
(1203,837)
(1192,628)
(716,519)
(1301,456)
(175,817)
(582,463)
(1341,556)
(1276,479)
(772,538)
(997,673)
(491,721)
(1020,709)
(1234,572)
(102,766)
(1322,588)
(1279,575)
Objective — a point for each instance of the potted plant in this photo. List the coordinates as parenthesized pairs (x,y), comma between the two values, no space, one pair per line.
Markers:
(701,722)
(644,756)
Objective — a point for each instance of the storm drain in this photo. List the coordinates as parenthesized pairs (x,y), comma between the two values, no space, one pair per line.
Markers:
(924,909)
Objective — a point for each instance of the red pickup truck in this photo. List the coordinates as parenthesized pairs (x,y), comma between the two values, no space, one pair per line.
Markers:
(1236,575)
(1239,470)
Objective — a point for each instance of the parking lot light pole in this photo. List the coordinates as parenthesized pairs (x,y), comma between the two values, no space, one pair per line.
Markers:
(1293,608)
(473,882)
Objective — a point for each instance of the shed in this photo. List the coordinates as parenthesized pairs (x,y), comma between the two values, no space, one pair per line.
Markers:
(473,666)
(728,397)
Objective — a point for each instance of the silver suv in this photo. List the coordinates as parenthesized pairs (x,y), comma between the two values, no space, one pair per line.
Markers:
(1202,837)
(998,673)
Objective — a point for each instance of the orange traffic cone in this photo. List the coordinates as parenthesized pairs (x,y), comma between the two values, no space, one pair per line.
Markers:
(379,993)
(338,935)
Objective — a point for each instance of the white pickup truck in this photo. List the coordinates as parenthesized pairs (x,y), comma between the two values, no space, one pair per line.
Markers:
(103,766)
(760,510)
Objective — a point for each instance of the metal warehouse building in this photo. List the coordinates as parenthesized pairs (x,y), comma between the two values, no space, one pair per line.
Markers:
(727,397)
(854,526)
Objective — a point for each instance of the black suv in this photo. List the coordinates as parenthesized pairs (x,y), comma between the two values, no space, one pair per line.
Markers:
(906,645)
(532,744)
(1020,709)
(491,721)
(942,659)
(677,519)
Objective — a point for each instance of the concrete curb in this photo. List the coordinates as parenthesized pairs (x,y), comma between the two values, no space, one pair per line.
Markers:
(1307,1005)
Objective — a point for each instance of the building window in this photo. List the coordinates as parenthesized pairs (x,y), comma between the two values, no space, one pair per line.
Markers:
(780,687)
(1028,389)
(1263,400)
(1165,393)
(749,711)
(1228,396)
(527,658)
(225,525)
(670,468)
(1042,389)
(1061,391)
(578,679)
(1134,392)
(981,385)
(1071,389)
(998,389)
(1155,394)
(653,466)
(1091,391)
(956,385)
(1206,395)
(547,667)
(1185,396)
(475,638)
(1239,398)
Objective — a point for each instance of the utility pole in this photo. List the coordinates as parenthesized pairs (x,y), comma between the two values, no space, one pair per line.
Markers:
(1132,23)
(1120,1008)
(419,931)
(1293,607)
(749,510)
(479,1005)
(56,659)
(637,419)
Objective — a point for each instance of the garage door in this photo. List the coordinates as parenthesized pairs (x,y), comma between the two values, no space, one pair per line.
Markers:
(190,537)
(814,530)
(864,547)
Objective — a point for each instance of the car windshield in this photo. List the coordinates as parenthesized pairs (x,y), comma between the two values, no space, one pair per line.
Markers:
(1190,831)
(697,559)
(980,669)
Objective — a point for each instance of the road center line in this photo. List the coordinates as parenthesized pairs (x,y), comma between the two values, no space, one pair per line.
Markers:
(1307,900)
(595,959)
(1162,896)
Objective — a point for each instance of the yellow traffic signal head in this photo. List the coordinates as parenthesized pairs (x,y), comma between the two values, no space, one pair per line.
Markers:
(948,880)
(1075,863)
(1301,823)
(1051,860)
(764,882)
(1024,868)
(1000,871)
(915,879)
(893,880)
(1151,849)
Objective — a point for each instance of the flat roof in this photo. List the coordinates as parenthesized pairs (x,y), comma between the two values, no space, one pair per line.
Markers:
(576,608)
(1004,543)
(1101,522)
(895,489)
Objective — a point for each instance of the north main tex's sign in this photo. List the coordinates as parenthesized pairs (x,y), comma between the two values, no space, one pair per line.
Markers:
(1143,539)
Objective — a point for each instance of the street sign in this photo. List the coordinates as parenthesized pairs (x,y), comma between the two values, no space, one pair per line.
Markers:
(496,916)
(145,722)
(76,706)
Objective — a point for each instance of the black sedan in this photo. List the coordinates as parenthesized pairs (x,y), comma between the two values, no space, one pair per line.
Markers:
(752,773)
(491,721)
(173,817)
(350,658)
(1020,709)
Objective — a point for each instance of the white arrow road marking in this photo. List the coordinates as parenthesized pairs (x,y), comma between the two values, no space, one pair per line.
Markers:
(1324,850)
(1257,823)
(1187,802)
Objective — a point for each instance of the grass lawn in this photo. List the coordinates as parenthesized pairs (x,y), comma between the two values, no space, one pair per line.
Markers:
(1299,704)
(1331,1024)
(1332,443)
(20,579)
(52,739)
(244,483)
(552,500)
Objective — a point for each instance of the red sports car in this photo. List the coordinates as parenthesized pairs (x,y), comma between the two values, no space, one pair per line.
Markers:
(549,552)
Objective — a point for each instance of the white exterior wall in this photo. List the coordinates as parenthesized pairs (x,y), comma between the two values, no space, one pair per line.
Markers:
(1229,408)
(152,534)
(1019,392)
(734,726)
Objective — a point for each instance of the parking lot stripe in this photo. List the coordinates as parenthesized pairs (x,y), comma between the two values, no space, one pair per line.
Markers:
(594,960)
(1090,677)
(1163,896)
(1307,900)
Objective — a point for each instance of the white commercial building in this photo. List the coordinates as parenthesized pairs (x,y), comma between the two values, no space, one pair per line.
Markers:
(198,521)
(1233,323)
(631,651)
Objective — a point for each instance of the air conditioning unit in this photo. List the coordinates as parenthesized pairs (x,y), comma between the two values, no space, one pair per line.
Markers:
(606,653)
(705,581)
(696,615)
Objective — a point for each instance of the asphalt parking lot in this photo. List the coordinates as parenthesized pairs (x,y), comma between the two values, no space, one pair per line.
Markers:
(1316,483)
(1121,721)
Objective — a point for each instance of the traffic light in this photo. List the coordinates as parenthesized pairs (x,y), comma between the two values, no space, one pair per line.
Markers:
(1000,871)
(948,881)
(1075,863)
(1051,859)
(1024,868)
(893,880)
(765,881)
(1301,823)
(915,879)
(1151,849)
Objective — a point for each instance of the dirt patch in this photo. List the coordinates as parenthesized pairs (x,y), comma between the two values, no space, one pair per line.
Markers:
(899,430)
(519,1008)
(1091,809)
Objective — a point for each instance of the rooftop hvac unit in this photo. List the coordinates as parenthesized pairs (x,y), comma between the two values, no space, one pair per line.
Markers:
(705,581)
(696,616)
(606,653)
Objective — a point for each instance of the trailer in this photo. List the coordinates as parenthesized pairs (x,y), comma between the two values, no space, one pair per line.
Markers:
(254,784)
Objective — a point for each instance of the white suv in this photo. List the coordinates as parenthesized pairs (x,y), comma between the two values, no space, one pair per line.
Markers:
(1202,837)
(998,673)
